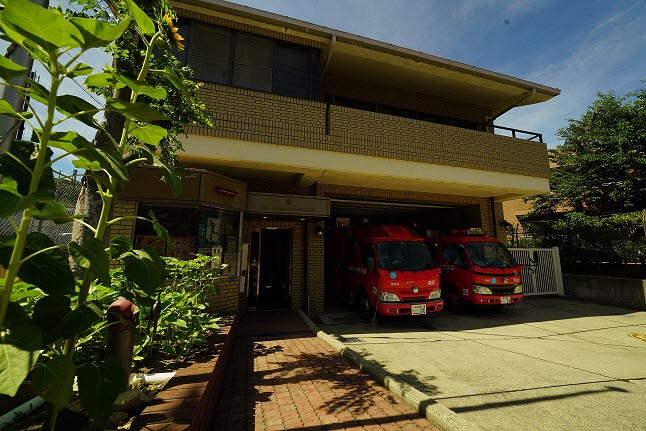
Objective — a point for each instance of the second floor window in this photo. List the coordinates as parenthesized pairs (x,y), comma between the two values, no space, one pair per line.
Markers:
(232,57)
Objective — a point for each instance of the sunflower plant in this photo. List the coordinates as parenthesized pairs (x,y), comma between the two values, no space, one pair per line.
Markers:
(39,339)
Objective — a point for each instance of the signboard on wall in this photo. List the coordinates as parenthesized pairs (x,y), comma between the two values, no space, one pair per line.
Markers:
(265,203)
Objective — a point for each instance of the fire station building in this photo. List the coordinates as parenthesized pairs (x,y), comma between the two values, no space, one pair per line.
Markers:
(315,128)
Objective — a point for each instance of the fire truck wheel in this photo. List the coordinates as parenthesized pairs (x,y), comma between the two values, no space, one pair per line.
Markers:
(364,307)
(452,300)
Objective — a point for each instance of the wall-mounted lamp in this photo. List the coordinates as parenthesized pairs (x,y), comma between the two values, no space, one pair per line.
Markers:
(320,230)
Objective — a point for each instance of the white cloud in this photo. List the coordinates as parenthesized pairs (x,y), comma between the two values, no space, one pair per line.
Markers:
(611,56)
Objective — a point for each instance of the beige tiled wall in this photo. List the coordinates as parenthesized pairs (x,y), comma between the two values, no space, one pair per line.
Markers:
(265,117)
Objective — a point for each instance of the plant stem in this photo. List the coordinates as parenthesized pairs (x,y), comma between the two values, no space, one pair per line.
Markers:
(23,230)
(107,197)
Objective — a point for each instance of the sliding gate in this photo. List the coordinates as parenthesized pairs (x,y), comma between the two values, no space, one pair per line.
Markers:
(541,273)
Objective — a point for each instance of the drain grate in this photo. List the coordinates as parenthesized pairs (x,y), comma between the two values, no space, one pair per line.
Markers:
(638,336)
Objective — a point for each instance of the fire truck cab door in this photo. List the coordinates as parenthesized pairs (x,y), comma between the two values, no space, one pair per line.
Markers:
(455,269)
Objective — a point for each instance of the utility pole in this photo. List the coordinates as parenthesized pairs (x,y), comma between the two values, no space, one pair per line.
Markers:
(9,126)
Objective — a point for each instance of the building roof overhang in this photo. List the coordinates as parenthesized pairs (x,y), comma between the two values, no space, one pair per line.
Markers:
(388,64)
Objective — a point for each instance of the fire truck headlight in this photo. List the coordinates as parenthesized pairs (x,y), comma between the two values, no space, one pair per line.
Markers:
(518,289)
(435,294)
(481,290)
(388,297)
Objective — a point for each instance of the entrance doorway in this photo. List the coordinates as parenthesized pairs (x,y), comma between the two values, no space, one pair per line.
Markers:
(270,253)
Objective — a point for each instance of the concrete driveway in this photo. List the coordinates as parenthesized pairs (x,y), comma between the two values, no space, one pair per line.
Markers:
(546,364)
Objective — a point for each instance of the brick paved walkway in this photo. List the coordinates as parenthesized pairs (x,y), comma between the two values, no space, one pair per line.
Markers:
(281,377)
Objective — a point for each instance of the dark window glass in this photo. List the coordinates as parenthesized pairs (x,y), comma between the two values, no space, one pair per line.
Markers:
(253,62)
(367,256)
(208,52)
(182,225)
(490,255)
(404,256)
(455,255)
(293,69)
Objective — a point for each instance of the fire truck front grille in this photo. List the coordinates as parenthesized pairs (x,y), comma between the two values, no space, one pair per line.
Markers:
(502,290)
(418,298)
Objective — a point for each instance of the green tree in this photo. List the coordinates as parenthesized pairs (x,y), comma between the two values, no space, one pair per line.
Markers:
(180,107)
(601,166)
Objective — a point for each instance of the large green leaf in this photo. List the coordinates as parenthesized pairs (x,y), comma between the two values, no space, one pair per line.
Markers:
(80,69)
(9,69)
(7,110)
(16,316)
(55,212)
(98,33)
(46,27)
(49,311)
(13,202)
(56,319)
(142,87)
(149,134)
(80,319)
(118,246)
(144,23)
(99,386)
(159,229)
(19,350)
(92,157)
(54,379)
(67,104)
(144,268)
(9,197)
(136,111)
(169,176)
(50,270)
(91,255)
(20,170)
(104,79)
(173,77)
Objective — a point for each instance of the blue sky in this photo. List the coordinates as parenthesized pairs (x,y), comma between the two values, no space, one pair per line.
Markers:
(581,47)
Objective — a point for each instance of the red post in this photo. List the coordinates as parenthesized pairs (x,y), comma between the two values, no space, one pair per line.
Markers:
(121,335)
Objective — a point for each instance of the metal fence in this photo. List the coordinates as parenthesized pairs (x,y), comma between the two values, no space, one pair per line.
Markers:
(67,192)
(541,274)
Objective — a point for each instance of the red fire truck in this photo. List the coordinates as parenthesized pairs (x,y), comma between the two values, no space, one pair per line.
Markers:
(476,269)
(387,269)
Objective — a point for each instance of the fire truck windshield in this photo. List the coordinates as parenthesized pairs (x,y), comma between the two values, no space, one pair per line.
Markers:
(404,256)
(490,255)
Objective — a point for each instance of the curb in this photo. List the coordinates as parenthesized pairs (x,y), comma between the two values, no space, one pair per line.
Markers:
(437,414)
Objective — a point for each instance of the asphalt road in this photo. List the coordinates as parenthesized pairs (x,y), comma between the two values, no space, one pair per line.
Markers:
(545,364)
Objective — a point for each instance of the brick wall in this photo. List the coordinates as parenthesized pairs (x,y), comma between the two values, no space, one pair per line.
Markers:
(226,301)
(126,227)
(265,117)
(385,95)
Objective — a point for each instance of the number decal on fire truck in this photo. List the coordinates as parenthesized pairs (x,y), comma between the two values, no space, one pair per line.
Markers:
(465,292)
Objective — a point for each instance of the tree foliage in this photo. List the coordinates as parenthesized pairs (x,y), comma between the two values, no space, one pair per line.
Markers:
(41,329)
(601,166)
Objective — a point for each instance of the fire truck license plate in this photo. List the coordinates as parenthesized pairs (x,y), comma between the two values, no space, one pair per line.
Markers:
(505,300)
(416,309)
